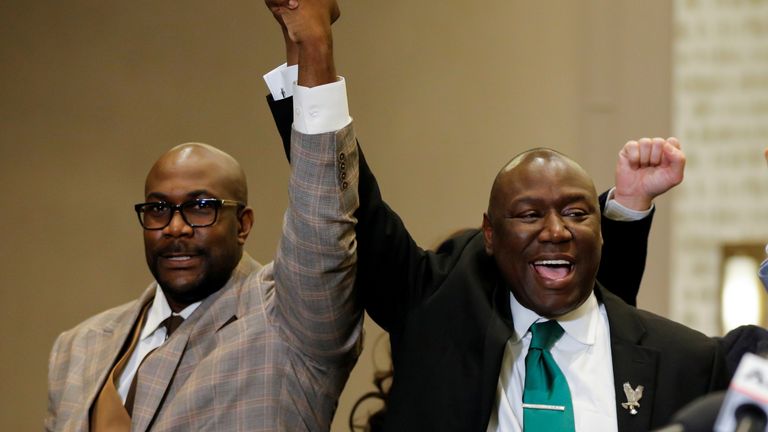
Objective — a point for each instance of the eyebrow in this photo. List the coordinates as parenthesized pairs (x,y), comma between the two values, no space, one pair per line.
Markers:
(192,195)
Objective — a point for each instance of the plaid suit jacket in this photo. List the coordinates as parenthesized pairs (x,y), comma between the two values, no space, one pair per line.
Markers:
(270,351)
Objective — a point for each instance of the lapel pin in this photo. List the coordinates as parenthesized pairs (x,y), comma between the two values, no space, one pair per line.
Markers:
(633,396)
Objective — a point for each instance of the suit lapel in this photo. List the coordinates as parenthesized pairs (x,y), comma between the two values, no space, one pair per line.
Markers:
(105,347)
(155,376)
(500,329)
(632,363)
(159,370)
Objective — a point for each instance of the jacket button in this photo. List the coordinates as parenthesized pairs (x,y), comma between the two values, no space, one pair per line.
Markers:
(344,185)
(342,157)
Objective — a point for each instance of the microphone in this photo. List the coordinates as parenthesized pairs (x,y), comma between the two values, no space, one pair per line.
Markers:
(698,416)
(745,406)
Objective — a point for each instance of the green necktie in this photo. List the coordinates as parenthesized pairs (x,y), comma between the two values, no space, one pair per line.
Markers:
(547,402)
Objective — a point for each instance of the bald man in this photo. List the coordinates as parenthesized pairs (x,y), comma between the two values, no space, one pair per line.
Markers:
(218,342)
(461,318)
(542,230)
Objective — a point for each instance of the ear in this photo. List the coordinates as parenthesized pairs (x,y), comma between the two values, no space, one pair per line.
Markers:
(487,234)
(244,224)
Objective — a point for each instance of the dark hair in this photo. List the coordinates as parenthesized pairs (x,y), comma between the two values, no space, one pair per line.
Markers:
(375,423)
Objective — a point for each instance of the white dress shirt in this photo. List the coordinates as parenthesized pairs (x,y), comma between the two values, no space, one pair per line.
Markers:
(583,353)
(152,336)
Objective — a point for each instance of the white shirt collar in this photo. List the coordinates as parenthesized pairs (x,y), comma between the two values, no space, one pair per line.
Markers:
(160,310)
(581,323)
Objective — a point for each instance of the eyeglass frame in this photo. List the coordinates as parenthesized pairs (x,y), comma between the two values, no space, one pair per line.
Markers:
(218,204)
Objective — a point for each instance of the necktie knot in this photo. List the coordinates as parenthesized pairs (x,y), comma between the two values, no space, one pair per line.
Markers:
(171,324)
(545,334)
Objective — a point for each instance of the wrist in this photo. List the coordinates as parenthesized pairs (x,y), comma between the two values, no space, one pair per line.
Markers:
(316,66)
(633,202)
(316,36)
(291,49)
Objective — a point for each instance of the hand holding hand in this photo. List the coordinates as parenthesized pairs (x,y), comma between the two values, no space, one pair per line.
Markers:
(646,169)
(277,7)
(306,28)
(304,20)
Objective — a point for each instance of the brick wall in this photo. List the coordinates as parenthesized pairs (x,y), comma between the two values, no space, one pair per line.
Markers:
(720,113)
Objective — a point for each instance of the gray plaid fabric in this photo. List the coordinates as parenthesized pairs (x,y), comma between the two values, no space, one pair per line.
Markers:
(270,351)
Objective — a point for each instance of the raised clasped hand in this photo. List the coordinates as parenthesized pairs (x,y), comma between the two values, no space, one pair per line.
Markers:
(304,19)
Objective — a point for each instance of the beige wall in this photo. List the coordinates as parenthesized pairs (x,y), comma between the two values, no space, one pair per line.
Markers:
(721,101)
(91,92)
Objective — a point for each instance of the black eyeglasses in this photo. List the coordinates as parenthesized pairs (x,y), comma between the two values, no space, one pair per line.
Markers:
(196,213)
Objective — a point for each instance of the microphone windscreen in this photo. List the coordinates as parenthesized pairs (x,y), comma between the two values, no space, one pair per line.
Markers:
(700,414)
(751,418)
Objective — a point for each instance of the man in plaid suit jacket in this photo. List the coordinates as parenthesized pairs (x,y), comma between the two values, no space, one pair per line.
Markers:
(262,347)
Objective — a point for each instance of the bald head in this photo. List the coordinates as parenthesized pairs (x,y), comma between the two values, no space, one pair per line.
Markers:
(543,231)
(206,162)
(543,161)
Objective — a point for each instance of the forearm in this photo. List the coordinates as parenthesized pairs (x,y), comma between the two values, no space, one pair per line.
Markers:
(291,49)
(315,265)
(308,29)
(388,258)
(625,247)
(316,66)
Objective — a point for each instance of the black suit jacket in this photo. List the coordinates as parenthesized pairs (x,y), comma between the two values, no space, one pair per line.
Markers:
(447,313)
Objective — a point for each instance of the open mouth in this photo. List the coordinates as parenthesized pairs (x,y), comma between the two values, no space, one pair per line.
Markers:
(554,269)
(179,260)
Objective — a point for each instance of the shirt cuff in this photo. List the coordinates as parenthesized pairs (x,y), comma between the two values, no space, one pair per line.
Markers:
(280,81)
(320,109)
(615,211)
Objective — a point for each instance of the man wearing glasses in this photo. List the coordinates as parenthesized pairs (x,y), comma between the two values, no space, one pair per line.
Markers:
(219,342)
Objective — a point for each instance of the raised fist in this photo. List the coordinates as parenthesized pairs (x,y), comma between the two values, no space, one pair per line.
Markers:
(646,169)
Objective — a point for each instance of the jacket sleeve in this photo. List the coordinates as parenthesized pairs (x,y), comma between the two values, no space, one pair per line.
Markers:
(393,273)
(315,263)
(625,247)
(54,387)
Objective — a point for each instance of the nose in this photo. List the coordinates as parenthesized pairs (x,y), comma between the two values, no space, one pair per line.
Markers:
(178,227)
(554,229)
